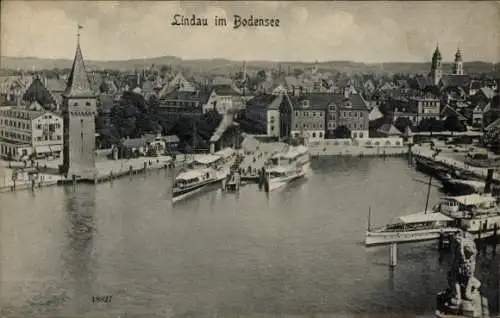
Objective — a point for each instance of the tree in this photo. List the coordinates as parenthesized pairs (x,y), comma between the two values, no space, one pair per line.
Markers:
(452,123)
(402,123)
(430,124)
(342,132)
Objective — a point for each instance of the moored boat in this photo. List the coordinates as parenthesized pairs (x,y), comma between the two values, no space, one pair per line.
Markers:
(193,181)
(285,167)
(478,214)
(205,170)
(414,227)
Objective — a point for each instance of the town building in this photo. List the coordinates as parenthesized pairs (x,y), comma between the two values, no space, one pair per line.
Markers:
(183,103)
(308,117)
(223,98)
(29,132)
(264,110)
(79,110)
(349,110)
(417,108)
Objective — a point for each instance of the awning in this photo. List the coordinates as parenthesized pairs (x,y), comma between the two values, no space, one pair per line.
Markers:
(42,149)
(55,147)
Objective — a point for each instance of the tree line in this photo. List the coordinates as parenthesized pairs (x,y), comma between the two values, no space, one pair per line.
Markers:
(133,117)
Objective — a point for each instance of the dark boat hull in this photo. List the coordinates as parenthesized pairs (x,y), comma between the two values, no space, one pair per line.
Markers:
(181,194)
(455,187)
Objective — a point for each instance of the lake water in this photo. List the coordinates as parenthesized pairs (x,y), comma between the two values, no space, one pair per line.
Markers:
(297,251)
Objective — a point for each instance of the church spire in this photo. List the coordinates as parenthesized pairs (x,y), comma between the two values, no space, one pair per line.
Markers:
(78,82)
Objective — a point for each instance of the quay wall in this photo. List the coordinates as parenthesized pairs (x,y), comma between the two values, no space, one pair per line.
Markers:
(358,147)
(107,170)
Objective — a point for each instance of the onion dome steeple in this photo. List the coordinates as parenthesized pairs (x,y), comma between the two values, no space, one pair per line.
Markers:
(458,55)
(437,54)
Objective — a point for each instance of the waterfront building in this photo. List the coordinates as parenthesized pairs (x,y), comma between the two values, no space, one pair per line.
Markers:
(308,116)
(264,110)
(79,110)
(349,110)
(25,131)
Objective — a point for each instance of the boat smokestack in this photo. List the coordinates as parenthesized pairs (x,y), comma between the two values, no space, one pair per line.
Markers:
(489,180)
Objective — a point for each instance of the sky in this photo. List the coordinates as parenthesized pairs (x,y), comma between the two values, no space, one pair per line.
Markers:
(370,32)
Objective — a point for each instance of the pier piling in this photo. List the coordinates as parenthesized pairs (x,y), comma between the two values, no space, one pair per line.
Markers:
(393,261)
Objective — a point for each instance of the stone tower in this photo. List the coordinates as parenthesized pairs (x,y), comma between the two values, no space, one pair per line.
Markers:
(436,67)
(79,110)
(458,64)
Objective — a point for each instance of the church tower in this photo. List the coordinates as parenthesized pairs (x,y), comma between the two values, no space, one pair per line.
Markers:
(458,64)
(78,111)
(436,67)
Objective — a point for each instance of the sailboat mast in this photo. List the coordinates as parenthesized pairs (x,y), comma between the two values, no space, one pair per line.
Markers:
(428,193)
(369,218)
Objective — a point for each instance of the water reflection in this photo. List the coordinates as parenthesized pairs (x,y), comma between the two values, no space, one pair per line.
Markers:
(77,254)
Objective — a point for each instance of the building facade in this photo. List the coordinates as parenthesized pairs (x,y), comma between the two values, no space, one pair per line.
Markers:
(351,111)
(182,103)
(222,99)
(417,108)
(26,132)
(264,110)
(308,118)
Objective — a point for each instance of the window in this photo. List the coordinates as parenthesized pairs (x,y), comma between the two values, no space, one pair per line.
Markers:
(272,128)
(75,104)
(88,104)
(296,113)
(314,114)
(320,135)
(58,137)
(360,135)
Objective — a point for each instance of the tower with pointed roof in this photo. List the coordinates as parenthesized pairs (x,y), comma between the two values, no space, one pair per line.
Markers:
(79,110)
(458,64)
(436,67)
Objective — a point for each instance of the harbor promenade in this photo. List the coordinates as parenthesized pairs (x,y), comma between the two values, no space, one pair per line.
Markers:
(49,172)
(453,159)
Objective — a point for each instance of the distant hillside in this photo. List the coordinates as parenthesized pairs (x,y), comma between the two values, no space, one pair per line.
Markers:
(222,66)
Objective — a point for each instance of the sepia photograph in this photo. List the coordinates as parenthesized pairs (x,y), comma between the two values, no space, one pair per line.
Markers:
(249,159)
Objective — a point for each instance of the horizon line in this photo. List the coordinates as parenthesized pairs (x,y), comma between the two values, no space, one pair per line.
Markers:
(240,61)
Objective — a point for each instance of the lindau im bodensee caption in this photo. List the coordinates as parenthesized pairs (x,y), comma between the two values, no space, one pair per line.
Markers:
(238,21)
